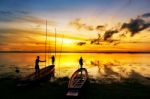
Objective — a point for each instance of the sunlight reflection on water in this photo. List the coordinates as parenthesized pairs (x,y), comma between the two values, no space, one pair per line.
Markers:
(99,65)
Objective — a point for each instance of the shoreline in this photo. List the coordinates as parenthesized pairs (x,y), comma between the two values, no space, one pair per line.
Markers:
(57,89)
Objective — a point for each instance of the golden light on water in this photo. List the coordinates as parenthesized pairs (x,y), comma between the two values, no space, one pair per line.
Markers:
(98,65)
(112,37)
(85,30)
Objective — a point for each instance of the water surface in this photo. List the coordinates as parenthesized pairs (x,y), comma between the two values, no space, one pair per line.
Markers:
(99,65)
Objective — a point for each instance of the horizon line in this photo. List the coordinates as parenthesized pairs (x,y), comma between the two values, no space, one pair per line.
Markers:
(75,52)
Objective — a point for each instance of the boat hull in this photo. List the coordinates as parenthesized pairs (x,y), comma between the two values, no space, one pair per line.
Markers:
(77,81)
(43,75)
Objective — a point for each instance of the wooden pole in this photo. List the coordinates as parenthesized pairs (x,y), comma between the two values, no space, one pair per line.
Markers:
(45,43)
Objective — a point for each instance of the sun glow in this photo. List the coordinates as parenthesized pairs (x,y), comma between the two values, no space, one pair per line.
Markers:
(68,41)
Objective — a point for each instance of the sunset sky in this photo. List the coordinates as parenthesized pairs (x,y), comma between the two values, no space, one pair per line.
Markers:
(81,25)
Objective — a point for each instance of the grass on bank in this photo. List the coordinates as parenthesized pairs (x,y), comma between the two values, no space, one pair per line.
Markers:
(57,90)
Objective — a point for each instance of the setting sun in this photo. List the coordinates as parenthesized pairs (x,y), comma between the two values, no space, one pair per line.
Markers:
(64,49)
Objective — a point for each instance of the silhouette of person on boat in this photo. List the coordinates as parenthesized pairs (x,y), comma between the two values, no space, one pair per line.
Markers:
(37,68)
(53,60)
(81,62)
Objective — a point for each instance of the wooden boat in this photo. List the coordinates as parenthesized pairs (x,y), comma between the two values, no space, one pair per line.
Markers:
(77,82)
(44,74)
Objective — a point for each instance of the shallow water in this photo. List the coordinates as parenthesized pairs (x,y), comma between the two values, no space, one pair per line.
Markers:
(99,65)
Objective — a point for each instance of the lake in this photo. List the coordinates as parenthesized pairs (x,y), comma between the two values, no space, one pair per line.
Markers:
(108,66)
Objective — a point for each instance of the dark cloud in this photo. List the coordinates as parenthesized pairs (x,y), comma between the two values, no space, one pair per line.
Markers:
(124,34)
(146,15)
(6,16)
(22,16)
(97,40)
(81,43)
(107,37)
(116,43)
(23,12)
(108,34)
(5,12)
(79,25)
(135,25)
(100,28)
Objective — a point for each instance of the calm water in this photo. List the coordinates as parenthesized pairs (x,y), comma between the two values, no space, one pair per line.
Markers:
(99,65)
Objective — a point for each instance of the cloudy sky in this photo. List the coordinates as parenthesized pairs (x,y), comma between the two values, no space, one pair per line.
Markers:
(80,25)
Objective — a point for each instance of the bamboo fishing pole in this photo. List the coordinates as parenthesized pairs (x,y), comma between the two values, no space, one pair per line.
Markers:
(45,43)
